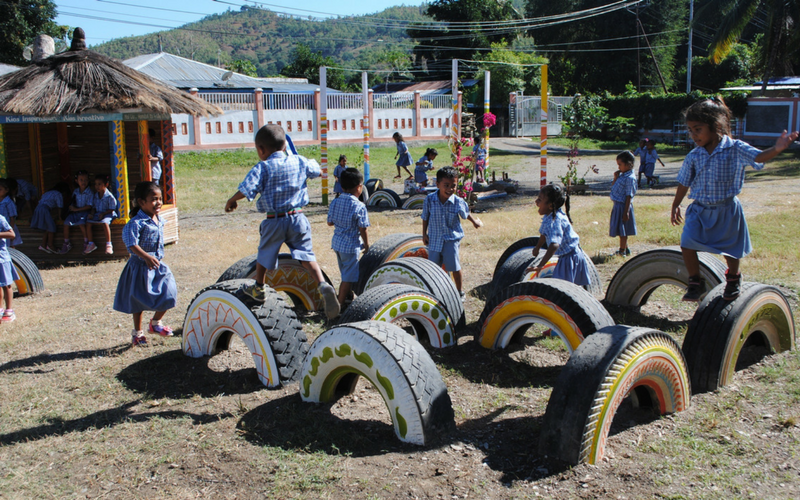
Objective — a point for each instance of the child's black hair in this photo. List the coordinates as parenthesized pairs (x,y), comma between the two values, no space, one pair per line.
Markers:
(80,173)
(271,137)
(151,133)
(431,151)
(397,136)
(141,192)
(342,157)
(103,177)
(627,158)
(350,178)
(13,187)
(713,112)
(6,184)
(554,194)
(446,173)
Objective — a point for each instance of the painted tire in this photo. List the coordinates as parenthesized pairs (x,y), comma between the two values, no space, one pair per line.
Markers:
(290,277)
(511,271)
(595,287)
(642,274)
(270,330)
(391,303)
(569,310)
(372,185)
(720,329)
(391,247)
(424,274)
(397,366)
(609,365)
(518,246)
(414,202)
(30,280)
(384,198)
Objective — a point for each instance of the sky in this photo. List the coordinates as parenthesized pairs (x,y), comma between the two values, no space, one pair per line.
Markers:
(104,20)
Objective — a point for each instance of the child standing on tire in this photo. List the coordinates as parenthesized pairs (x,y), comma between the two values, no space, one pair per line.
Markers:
(403,156)
(8,273)
(442,212)
(623,189)
(281,180)
(561,239)
(146,283)
(714,171)
(350,220)
(423,165)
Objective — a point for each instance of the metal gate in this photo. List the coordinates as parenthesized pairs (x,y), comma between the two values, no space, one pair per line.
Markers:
(525,114)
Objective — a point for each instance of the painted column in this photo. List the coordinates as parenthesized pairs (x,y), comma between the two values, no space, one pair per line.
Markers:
(323,130)
(486,110)
(35,144)
(454,103)
(62,137)
(458,114)
(417,115)
(259,107)
(543,144)
(119,169)
(196,122)
(366,121)
(144,150)
(371,104)
(318,123)
(168,165)
(3,163)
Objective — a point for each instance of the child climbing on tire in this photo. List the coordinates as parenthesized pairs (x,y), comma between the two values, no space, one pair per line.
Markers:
(714,171)
(623,189)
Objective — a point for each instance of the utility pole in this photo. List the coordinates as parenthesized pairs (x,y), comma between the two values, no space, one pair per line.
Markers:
(689,54)
(652,54)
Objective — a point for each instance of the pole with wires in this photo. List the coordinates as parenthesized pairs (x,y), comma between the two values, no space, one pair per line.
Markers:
(454,101)
(323,130)
(543,143)
(689,53)
(365,121)
(486,111)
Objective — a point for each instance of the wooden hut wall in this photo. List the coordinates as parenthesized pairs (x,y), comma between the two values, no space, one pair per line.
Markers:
(51,174)
(132,155)
(18,152)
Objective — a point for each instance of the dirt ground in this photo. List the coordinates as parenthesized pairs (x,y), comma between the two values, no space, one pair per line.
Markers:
(84,415)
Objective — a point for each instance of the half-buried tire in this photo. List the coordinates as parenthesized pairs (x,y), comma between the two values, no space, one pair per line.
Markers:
(30,280)
(397,366)
(415,201)
(392,303)
(569,310)
(393,246)
(373,185)
(384,198)
(271,330)
(720,329)
(609,365)
(523,245)
(513,270)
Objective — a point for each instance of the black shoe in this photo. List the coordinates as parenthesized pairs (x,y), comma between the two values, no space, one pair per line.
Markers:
(695,290)
(733,285)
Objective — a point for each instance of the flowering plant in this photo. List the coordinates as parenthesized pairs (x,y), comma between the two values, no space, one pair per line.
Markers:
(573,160)
(488,121)
(463,165)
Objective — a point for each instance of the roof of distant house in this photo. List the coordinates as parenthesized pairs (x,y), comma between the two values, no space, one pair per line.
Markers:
(434,87)
(790,83)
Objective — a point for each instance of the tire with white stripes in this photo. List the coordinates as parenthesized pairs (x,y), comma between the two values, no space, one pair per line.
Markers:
(384,198)
(30,279)
(415,201)
(373,185)
(390,247)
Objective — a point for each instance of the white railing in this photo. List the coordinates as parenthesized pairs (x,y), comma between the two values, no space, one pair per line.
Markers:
(283,100)
(437,101)
(345,101)
(229,101)
(392,101)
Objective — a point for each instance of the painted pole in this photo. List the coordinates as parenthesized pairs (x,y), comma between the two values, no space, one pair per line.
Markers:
(119,168)
(486,110)
(543,144)
(144,151)
(365,121)
(454,102)
(689,54)
(168,165)
(323,135)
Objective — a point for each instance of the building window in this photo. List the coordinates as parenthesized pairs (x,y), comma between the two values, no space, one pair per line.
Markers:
(395,123)
(310,126)
(241,127)
(250,127)
(289,126)
(403,123)
(424,123)
(380,124)
(230,127)
(387,123)
(352,124)
(184,129)
(344,124)
(440,122)
(335,124)
(299,126)
(208,127)
(219,127)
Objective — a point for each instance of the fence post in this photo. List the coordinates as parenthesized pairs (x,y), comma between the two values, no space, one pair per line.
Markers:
(259,107)
(195,121)
(317,118)
(417,115)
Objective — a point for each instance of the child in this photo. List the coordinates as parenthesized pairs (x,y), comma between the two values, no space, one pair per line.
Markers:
(104,209)
(349,217)
(281,180)
(442,212)
(623,189)
(156,157)
(337,172)
(423,165)
(8,273)
(714,171)
(26,193)
(640,153)
(43,215)
(405,159)
(479,158)
(146,283)
(78,211)
(649,159)
(561,240)
(8,208)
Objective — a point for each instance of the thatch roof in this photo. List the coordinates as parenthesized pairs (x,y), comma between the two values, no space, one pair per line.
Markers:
(81,80)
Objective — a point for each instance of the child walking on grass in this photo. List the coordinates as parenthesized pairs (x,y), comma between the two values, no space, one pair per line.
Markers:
(714,171)
(649,158)
(8,273)
(623,189)
(337,174)
(43,215)
(350,220)
(403,156)
(146,283)
(281,180)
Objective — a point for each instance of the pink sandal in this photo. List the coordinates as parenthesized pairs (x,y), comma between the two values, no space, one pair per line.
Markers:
(160,329)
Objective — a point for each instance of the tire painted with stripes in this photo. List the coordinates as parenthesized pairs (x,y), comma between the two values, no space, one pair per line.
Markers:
(372,185)
(30,279)
(595,287)
(384,198)
(414,202)
(390,247)
(397,366)
(391,303)
(643,273)
(720,329)
(290,277)
(611,364)
(424,274)
(270,330)
(569,310)
(518,246)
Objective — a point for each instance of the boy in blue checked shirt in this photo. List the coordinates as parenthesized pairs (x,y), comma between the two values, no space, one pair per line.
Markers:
(442,212)
(281,180)
(349,218)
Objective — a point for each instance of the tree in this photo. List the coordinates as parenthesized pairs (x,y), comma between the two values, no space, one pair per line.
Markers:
(306,63)
(244,67)
(20,22)
(508,73)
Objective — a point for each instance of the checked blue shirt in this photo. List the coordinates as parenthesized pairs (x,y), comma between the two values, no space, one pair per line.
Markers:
(560,232)
(720,175)
(624,186)
(148,234)
(107,202)
(281,180)
(347,214)
(444,219)
(82,199)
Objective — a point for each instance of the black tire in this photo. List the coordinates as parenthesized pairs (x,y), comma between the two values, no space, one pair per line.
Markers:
(364,198)
(423,310)
(30,279)
(720,329)
(518,246)
(609,365)
(385,249)
(642,274)
(384,198)
(242,269)
(512,271)
(424,274)
(219,311)
(372,185)
(572,313)
(396,365)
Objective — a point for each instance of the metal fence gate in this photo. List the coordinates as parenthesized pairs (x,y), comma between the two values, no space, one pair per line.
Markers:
(525,114)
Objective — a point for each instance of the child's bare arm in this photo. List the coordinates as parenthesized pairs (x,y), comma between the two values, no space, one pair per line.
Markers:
(148,259)
(331,223)
(475,221)
(363,232)
(425,232)
(551,249)
(680,194)
(626,212)
(8,235)
(783,142)
(231,205)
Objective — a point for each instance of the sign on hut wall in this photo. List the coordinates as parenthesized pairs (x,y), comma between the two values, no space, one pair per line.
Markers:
(90,117)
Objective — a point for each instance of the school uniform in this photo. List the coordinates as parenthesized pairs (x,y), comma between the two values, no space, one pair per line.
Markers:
(420,175)
(649,157)
(155,171)
(8,273)
(444,229)
(80,199)
(337,173)
(404,158)
(572,263)
(282,182)
(714,221)
(139,288)
(624,186)
(101,204)
(43,217)
(347,214)
(8,209)
(640,153)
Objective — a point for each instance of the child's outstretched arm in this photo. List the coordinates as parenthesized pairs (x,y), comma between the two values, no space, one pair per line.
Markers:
(476,222)
(783,142)
(680,194)
(231,205)
(551,250)
(8,235)
(363,232)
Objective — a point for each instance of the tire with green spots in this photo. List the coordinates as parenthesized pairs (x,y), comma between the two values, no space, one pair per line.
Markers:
(393,303)
(394,363)
(424,274)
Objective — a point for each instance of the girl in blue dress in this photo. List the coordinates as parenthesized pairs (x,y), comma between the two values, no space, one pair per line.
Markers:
(78,210)
(556,232)
(337,172)
(403,156)
(424,165)
(623,189)
(146,283)
(8,273)
(43,215)
(8,208)
(104,210)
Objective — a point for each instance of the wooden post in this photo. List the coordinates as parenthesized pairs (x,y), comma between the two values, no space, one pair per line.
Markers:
(62,137)
(35,144)
(259,107)
(3,163)
(168,165)
(323,120)
(196,122)
(543,143)
(144,151)
(119,169)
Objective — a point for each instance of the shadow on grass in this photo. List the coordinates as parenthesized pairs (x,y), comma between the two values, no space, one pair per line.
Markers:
(39,362)
(175,375)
